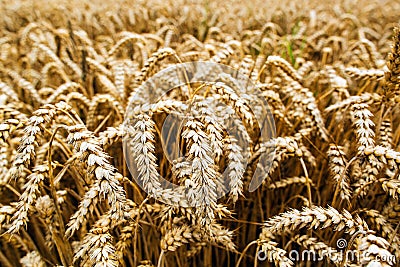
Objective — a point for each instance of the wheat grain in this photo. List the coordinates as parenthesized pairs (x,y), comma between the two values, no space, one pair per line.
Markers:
(376,247)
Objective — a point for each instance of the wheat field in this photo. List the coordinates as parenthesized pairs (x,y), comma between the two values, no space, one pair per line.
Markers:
(87,88)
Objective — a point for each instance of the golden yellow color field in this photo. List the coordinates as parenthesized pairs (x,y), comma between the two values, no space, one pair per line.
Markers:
(199,133)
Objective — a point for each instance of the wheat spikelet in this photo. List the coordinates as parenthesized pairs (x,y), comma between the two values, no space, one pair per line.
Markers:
(119,79)
(74,67)
(152,61)
(259,62)
(246,66)
(315,217)
(6,50)
(386,229)
(201,186)
(228,116)
(162,106)
(241,106)
(169,33)
(6,213)
(212,124)
(195,248)
(110,136)
(176,237)
(338,162)
(128,37)
(220,235)
(53,68)
(28,198)
(363,98)
(105,184)
(318,248)
(9,126)
(392,187)
(75,97)
(107,85)
(365,74)
(29,141)
(45,49)
(125,239)
(223,55)
(3,162)
(96,249)
(24,84)
(305,107)
(191,43)
(285,67)
(391,210)
(61,90)
(391,83)
(7,91)
(275,101)
(385,134)
(370,172)
(181,169)
(45,92)
(305,152)
(270,249)
(377,251)
(236,168)
(45,207)
(193,56)
(130,224)
(305,68)
(284,147)
(371,51)
(97,66)
(142,149)
(362,122)
(380,157)
(337,82)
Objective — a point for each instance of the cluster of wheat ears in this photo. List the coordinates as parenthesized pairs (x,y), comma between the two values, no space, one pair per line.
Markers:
(70,74)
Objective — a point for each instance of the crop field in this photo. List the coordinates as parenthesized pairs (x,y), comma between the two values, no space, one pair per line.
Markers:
(199,133)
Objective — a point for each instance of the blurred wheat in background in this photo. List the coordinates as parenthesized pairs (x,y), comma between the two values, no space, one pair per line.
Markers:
(69,72)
